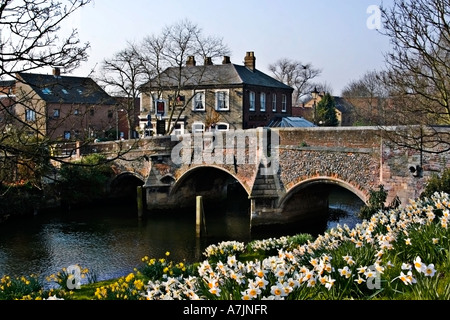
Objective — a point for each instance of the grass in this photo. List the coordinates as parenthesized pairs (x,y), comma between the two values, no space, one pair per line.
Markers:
(397,254)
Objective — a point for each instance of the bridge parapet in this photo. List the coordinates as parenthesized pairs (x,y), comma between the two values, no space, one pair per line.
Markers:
(272,170)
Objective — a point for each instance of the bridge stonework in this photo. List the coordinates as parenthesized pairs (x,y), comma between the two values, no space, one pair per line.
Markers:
(355,158)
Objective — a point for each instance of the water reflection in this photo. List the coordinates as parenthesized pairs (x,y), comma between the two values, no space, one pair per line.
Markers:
(111,241)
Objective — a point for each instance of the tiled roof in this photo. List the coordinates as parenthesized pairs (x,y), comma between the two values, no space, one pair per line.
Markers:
(67,89)
(214,75)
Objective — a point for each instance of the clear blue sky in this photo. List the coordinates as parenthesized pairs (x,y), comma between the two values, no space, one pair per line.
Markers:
(332,35)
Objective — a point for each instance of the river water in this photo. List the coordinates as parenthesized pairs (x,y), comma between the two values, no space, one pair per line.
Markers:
(111,241)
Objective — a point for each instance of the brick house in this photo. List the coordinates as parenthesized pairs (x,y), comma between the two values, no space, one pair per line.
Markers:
(65,108)
(344,110)
(225,96)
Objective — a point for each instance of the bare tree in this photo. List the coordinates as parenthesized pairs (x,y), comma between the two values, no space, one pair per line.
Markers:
(370,98)
(164,57)
(295,74)
(418,71)
(30,40)
(121,75)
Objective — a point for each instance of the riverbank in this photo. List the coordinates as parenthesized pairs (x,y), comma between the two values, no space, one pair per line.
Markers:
(400,254)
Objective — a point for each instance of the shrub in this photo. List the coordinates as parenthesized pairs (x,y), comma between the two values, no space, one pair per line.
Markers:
(437,183)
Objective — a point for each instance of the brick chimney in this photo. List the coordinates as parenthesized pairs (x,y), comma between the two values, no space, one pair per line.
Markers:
(226,60)
(191,61)
(250,61)
(56,71)
(208,61)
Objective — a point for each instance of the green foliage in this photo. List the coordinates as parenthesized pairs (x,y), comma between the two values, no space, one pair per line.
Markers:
(20,198)
(326,111)
(12,288)
(377,199)
(84,181)
(437,183)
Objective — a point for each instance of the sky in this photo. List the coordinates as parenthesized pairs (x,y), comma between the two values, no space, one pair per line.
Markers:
(335,36)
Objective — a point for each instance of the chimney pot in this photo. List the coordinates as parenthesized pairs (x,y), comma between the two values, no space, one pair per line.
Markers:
(56,71)
(191,61)
(208,61)
(250,60)
(226,60)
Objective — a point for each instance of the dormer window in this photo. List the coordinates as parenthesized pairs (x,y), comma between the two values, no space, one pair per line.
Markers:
(46,91)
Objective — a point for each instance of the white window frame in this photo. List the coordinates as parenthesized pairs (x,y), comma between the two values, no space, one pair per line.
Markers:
(252,101)
(227,125)
(30,115)
(262,101)
(218,93)
(284,103)
(197,123)
(195,99)
(178,131)
(274,102)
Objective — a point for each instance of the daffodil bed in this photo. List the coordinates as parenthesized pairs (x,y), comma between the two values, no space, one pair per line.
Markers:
(399,254)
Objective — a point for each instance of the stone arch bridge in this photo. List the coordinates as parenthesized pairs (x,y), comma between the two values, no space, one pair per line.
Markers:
(272,166)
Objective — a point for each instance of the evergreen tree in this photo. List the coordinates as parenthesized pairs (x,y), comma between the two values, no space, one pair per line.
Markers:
(326,112)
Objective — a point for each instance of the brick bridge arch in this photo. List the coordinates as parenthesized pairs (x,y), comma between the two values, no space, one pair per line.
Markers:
(322,180)
(356,158)
(187,173)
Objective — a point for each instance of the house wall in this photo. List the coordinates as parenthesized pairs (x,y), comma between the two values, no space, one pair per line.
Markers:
(233,116)
(26,99)
(258,118)
(81,121)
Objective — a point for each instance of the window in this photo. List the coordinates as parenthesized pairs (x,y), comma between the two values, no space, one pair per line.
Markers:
(284,103)
(178,100)
(199,101)
(252,101)
(198,127)
(110,114)
(222,126)
(76,112)
(56,113)
(160,107)
(179,129)
(92,111)
(46,91)
(222,101)
(262,99)
(67,135)
(274,102)
(65,91)
(30,115)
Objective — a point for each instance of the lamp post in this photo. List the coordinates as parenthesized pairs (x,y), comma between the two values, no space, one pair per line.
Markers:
(117,122)
(315,94)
